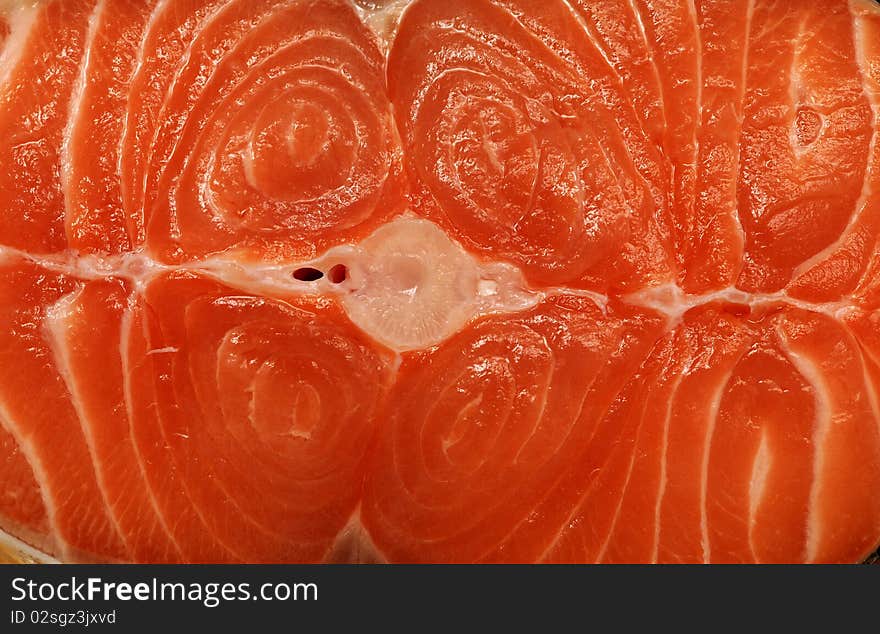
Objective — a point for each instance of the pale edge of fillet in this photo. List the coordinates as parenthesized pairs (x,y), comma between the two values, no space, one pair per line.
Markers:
(20,552)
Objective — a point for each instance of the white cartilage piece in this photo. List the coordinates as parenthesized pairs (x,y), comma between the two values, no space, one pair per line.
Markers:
(409,286)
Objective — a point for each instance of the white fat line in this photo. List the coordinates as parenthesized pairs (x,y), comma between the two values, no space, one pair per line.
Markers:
(650,49)
(133,266)
(747,41)
(183,64)
(625,488)
(664,477)
(822,424)
(570,517)
(595,40)
(41,478)
(546,390)
(55,331)
(139,269)
(740,111)
(795,81)
(21,18)
(757,485)
(125,133)
(636,7)
(125,334)
(865,356)
(698,119)
(181,485)
(871,93)
(704,466)
(673,302)
(166,349)
(73,108)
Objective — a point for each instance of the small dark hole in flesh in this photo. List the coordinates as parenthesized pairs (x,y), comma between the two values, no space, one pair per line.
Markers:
(307,274)
(337,274)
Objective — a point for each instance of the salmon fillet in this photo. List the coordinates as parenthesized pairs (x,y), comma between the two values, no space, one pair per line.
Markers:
(557,281)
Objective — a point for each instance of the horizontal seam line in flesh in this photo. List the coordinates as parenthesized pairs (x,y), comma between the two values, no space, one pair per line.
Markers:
(118,266)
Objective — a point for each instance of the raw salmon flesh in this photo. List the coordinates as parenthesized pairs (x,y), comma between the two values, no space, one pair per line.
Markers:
(440,280)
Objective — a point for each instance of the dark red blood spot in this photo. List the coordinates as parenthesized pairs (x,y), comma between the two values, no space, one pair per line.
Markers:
(337,274)
(307,274)
(740,310)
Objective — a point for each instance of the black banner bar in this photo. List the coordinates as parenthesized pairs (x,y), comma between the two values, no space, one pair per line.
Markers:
(134,598)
